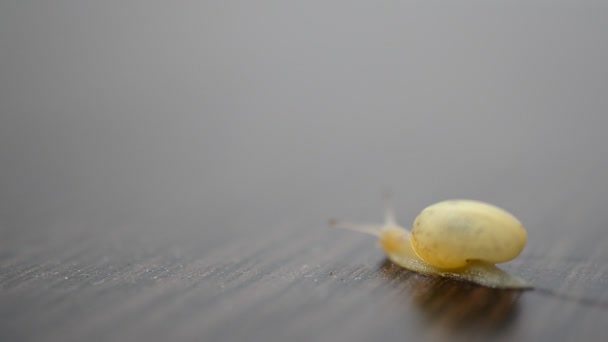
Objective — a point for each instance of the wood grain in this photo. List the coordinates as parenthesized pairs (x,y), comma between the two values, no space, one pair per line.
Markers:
(299,284)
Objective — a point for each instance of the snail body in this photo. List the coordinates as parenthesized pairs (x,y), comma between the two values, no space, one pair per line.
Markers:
(460,239)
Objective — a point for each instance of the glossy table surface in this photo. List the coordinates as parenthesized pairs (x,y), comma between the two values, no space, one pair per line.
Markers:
(167,171)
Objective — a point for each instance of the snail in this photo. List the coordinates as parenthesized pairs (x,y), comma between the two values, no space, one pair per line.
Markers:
(460,239)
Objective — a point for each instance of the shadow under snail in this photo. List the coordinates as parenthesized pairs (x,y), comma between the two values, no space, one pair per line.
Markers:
(460,239)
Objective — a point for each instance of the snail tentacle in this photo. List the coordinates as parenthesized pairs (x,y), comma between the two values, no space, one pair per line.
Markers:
(372,229)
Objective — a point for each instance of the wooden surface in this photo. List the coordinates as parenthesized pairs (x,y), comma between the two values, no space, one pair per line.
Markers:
(167,172)
(294,282)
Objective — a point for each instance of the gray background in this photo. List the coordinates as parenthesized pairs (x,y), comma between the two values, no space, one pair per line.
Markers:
(142,129)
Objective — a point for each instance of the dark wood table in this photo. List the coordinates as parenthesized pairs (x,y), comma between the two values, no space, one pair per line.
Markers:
(167,171)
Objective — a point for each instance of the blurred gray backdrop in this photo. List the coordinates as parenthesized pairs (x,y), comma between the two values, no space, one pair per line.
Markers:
(217,117)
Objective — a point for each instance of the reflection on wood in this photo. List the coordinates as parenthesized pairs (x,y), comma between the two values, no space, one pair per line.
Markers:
(452,306)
